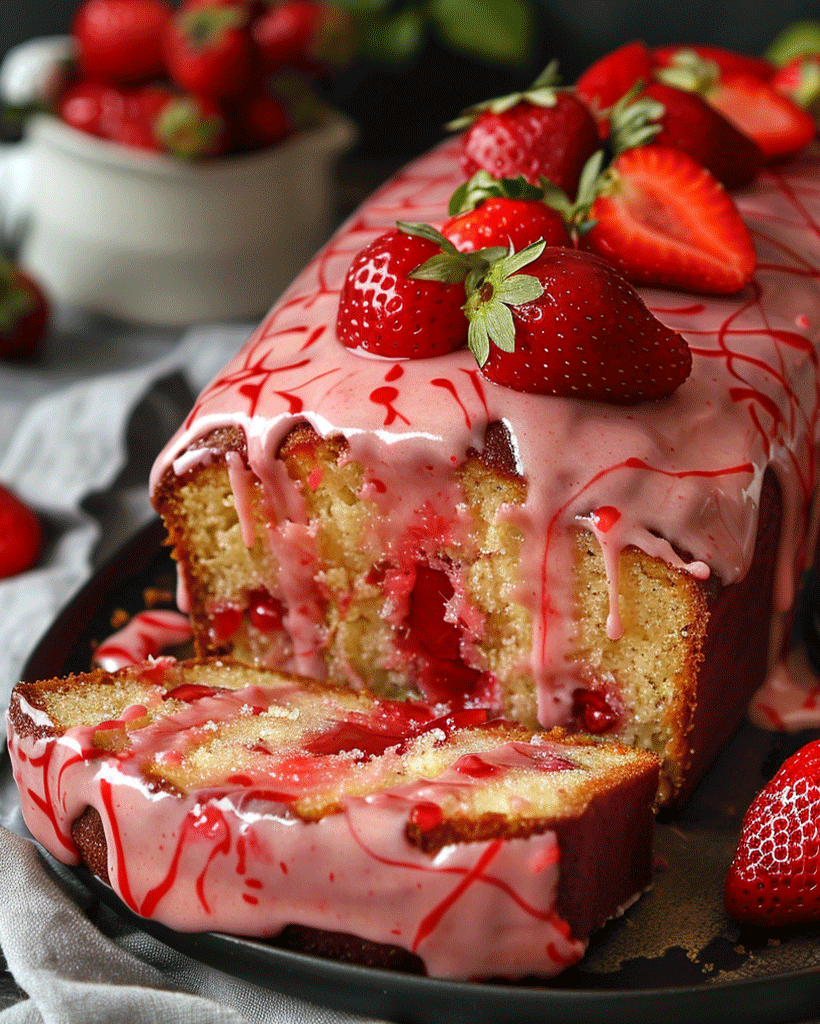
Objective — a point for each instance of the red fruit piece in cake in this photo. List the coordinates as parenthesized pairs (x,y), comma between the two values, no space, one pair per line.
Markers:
(610,78)
(543,132)
(208,48)
(684,120)
(21,537)
(774,878)
(120,41)
(778,125)
(572,326)
(403,295)
(487,212)
(664,220)
(24,313)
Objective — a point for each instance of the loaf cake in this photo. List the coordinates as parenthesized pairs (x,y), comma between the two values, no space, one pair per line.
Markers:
(212,795)
(409,528)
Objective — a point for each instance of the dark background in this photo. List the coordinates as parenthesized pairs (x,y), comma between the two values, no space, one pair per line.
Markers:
(401,110)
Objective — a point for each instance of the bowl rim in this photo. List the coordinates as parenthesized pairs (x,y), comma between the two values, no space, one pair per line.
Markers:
(334,132)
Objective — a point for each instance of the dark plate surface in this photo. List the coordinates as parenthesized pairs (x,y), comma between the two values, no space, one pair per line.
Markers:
(674,956)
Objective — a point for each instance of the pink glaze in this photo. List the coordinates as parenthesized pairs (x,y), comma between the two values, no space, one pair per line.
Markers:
(789,700)
(226,859)
(144,636)
(683,474)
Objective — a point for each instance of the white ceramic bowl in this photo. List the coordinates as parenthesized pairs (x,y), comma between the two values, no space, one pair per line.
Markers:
(154,240)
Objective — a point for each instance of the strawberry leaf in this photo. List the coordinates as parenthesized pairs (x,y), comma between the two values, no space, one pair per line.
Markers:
(634,121)
(442,267)
(500,325)
(690,72)
(541,93)
(502,34)
(519,289)
(516,261)
(478,340)
(483,185)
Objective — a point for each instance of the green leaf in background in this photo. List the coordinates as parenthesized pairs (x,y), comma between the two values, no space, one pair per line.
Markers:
(392,37)
(499,31)
(796,40)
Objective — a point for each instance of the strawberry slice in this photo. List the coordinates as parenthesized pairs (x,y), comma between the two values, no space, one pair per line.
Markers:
(774,877)
(778,125)
(664,220)
(573,327)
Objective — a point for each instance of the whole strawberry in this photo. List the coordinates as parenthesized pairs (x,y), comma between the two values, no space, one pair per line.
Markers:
(93,107)
(612,77)
(259,120)
(403,294)
(486,212)
(305,34)
(120,41)
(543,132)
(774,878)
(185,125)
(685,121)
(573,327)
(208,48)
(24,313)
(20,535)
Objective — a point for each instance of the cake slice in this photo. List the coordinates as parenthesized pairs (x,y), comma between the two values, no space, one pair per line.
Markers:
(216,796)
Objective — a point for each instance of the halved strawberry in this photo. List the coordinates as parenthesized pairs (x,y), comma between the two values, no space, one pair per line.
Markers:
(664,220)
(573,327)
(543,132)
(774,877)
(487,212)
(403,295)
(778,125)
(610,78)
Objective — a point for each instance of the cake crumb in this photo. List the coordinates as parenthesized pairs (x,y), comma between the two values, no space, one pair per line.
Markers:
(119,617)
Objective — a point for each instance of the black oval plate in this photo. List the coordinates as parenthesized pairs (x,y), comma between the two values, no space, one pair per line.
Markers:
(675,956)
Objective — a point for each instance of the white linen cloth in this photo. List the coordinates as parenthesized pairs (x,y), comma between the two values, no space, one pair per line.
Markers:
(79,429)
